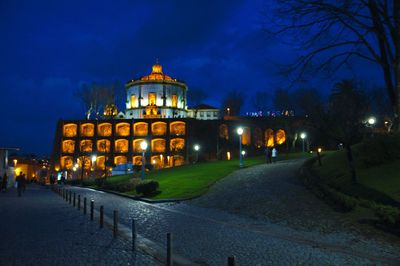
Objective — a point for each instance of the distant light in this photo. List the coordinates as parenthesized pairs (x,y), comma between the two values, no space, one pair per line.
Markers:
(303,135)
(15,162)
(196,147)
(94,158)
(319,149)
(154,161)
(74,168)
(228,155)
(76,165)
(243,152)
(371,120)
(143,145)
(240,131)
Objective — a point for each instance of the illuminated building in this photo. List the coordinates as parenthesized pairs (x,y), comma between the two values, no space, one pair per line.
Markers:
(156,111)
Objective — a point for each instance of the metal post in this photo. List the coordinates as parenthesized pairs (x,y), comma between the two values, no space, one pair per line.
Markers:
(169,250)
(70,197)
(143,167)
(319,158)
(84,205)
(62,193)
(79,202)
(303,144)
(91,209)
(231,261)
(240,151)
(101,216)
(115,227)
(74,201)
(133,235)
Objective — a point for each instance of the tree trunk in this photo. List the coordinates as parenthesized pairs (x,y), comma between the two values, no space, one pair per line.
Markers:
(350,160)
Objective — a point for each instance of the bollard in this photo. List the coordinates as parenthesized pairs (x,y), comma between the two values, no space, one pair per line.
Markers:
(70,197)
(231,261)
(101,216)
(169,250)
(91,209)
(79,202)
(115,227)
(66,195)
(74,200)
(63,193)
(84,205)
(133,235)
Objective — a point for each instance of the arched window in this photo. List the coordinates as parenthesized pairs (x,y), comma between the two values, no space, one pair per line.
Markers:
(67,162)
(177,128)
(246,136)
(159,128)
(258,137)
(156,162)
(177,144)
(123,129)
(86,145)
(100,162)
(87,130)
(70,130)
(68,146)
(280,136)
(103,145)
(137,160)
(104,129)
(158,145)
(141,129)
(119,160)
(121,145)
(269,138)
(136,145)
(178,160)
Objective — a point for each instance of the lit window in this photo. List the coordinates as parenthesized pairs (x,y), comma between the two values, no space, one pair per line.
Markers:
(152,98)
(133,101)
(174,100)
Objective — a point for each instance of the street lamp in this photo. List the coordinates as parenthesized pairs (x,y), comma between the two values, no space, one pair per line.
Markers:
(303,136)
(143,145)
(240,133)
(15,162)
(371,121)
(196,147)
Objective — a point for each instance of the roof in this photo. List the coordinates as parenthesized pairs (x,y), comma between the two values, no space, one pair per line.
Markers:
(203,106)
(156,74)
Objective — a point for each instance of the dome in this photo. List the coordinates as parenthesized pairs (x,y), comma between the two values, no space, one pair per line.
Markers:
(156,74)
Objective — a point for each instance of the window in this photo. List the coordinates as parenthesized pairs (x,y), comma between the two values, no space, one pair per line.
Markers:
(152,98)
(133,98)
(174,100)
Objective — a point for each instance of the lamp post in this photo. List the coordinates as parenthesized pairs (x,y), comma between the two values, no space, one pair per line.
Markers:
(143,145)
(319,150)
(303,136)
(240,133)
(196,147)
(370,123)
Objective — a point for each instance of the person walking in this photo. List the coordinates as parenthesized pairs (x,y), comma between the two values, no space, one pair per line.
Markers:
(274,155)
(20,180)
(4,183)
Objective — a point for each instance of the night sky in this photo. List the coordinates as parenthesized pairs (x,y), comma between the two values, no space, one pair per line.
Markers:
(49,48)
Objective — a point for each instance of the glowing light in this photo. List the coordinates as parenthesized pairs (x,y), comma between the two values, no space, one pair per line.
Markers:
(154,161)
(228,155)
(196,147)
(240,131)
(371,120)
(143,145)
(243,153)
(94,158)
(15,162)
(319,149)
(303,135)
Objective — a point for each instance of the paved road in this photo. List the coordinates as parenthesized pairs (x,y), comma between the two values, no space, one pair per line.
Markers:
(208,233)
(39,228)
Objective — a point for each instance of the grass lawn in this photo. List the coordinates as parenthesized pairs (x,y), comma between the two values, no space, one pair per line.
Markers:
(380,182)
(193,180)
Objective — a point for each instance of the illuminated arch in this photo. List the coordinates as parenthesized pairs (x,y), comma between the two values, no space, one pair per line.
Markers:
(158,145)
(87,130)
(120,159)
(178,160)
(100,162)
(269,138)
(136,145)
(70,130)
(141,129)
(68,146)
(121,145)
(87,162)
(246,136)
(258,140)
(137,160)
(223,132)
(103,145)
(123,129)
(67,162)
(177,128)
(86,145)
(177,144)
(104,129)
(159,128)
(156,162)
(280,136)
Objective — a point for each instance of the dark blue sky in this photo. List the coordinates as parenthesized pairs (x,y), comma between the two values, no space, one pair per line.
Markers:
(49,48)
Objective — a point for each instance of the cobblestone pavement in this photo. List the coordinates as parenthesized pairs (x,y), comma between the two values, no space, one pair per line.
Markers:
(40,228)
(208,233)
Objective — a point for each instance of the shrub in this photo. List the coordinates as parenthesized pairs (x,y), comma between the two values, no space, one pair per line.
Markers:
(387,214)
(147,187)
(380,149)
(346,202)
(121,186)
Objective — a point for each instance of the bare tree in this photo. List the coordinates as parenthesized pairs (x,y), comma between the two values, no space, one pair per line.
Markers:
(334,32)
